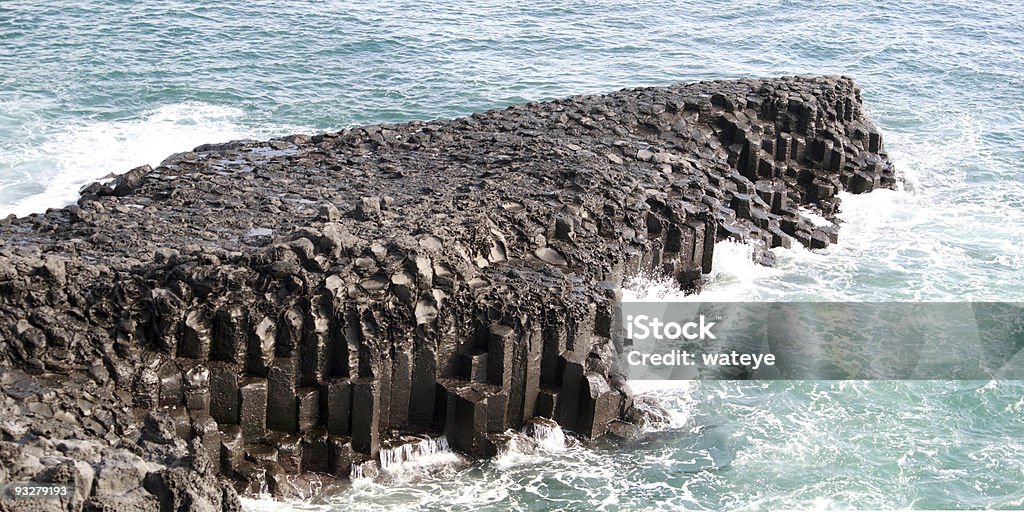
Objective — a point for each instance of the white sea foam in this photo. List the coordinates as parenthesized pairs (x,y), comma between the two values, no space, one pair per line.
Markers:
(417,455)
(536,442)
(265,504)
(70,157)
(734,277)
(815,217)
(550,437)
(652,386)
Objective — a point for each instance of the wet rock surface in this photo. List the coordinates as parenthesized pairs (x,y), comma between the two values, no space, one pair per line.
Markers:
(258,316)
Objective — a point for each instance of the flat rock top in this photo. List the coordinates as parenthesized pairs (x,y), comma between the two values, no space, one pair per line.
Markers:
(510,171)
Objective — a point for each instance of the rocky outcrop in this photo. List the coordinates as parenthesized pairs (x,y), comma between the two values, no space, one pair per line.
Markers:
(274,312)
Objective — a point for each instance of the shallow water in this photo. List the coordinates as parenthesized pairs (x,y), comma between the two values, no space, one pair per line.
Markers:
(945,83)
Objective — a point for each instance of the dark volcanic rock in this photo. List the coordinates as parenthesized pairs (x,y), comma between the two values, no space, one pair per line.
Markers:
(258,309)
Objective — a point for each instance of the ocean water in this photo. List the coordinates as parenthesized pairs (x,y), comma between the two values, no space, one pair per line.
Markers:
(89,88)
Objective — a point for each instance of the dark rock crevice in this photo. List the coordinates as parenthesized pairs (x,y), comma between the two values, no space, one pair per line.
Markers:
(265,310)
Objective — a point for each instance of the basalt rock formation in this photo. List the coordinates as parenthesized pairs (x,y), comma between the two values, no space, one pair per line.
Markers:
(251,314)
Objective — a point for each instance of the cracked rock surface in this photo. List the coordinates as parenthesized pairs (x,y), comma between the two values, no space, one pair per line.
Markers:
(263,315)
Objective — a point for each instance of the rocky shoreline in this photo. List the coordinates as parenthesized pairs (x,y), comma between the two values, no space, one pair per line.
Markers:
(253,315)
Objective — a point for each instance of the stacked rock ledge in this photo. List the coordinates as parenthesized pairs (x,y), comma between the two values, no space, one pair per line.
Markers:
(254,316)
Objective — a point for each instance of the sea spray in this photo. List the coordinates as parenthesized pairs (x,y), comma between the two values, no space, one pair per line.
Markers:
(298,487)
(538,440)
(416,452)
(546,434)
(406,458)
(61,159)
(364,472)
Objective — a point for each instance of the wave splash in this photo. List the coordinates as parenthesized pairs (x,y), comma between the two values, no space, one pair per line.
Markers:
(55,162)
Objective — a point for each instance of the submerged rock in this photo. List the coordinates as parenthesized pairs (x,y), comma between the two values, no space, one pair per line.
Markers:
(250,311)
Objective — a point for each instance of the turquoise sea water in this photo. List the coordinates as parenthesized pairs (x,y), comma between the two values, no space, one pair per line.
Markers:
(93,87)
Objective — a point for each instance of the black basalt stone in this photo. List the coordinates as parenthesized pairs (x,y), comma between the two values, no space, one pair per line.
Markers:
(315,451)
(501,341)
(599,406)
(454,277)
(339,407)
(282,402)
(253,407)
(224,393)
(128,182)
(171,389)
(366,416)
(232,449)
(308,408)
(466,426)
(197,388)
